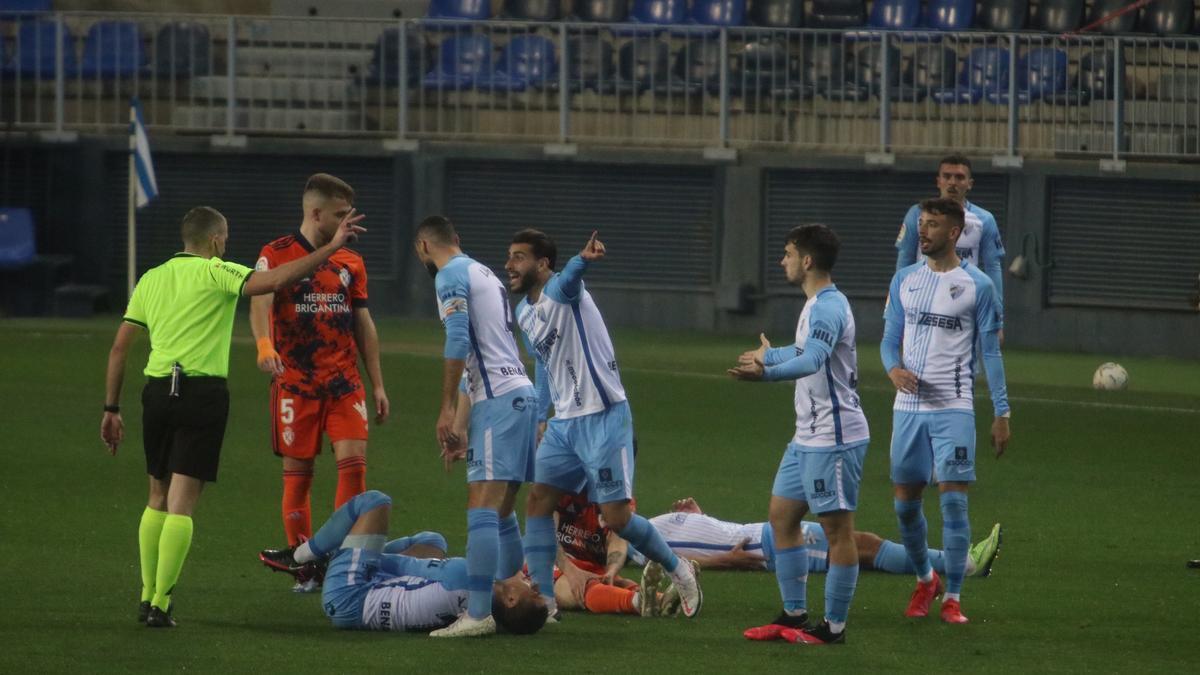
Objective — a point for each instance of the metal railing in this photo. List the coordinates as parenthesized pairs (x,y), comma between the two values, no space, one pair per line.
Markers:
(564,82)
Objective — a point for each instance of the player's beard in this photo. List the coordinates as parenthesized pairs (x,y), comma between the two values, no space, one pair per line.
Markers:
(432,269)
(525,282)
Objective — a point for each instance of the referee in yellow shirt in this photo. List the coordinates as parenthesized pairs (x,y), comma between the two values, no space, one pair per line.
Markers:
(186,305)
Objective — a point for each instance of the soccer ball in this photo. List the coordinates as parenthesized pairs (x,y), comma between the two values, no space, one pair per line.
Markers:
(1110,377)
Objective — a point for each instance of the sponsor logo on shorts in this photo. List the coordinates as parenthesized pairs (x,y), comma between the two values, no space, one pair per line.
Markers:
(519,404)
(288,436)
(960,458)
(819,491)
(606,483)
(471,461)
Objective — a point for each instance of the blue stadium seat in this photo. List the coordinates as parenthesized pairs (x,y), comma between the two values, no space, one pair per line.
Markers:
(658,12)
(25,7)
(777,13)
(384,67)
(1003,15)
(1059,16)
(1121,24)
(837,14)
(182,49)
(17,247)
(895,14)
(985,70)
(34,57)
(1167,17)
(533,10)
(601,11)
(719,12)
(866,75)
(113,49)
(1041,74)
(931,68)
(461,59)
(527,61)
(473,10)
(949,15)
(642,64)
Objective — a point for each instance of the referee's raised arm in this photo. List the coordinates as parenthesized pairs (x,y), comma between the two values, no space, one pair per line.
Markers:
(269,281)
(187,305)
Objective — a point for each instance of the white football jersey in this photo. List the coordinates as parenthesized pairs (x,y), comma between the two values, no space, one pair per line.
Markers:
(494,364)
(570,339)
(828,411)
(697,534)
(411,603)
(941,314)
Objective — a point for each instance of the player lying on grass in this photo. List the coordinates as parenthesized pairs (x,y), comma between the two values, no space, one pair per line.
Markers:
(589,561)
(368,587)
(720,544)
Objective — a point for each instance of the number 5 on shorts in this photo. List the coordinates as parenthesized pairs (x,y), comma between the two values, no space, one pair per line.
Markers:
(286,412)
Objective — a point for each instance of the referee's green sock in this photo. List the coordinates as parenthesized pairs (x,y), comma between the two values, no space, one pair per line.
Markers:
(149,532)
(173,548)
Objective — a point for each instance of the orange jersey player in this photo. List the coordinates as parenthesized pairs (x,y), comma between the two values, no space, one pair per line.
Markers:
(590,557)
(309,338)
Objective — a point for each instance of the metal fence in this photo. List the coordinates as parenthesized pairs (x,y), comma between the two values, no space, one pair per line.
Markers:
(563,82)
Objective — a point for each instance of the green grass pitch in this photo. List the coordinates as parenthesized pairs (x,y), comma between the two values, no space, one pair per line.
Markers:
(1098,494)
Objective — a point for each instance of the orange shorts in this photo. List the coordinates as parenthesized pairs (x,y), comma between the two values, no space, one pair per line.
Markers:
(297,422)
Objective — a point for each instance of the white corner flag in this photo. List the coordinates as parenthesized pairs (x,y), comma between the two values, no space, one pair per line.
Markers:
(143,186)
(139,148)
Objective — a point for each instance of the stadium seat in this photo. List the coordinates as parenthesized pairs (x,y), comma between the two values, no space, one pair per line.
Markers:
(589,64)
(25,7)
(894,14)
(931,68)
(533,10)
(1119,25)
(1167,17)
(1041,73)
(461,59)
(985,70)
(837,14)
(642,64)
(601,11)
(384,67)
(658,13)
(113,49)
(824,68)
(527,60)
(1098,73)
(182,49)
(34,56)
(866,77)
(472,10)
(17,247)
(949,15)
(1059,16)
(777,13)
(764,68)
(697,68)
(719,12)
(1003,15)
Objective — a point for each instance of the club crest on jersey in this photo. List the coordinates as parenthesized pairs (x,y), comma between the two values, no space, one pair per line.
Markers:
(289,436)
(956,290)
(344,276)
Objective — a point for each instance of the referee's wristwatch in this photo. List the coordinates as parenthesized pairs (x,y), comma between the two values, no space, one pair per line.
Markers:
(112,408)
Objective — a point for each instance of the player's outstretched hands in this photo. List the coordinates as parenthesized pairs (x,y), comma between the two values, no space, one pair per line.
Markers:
(1000,435)
(904,380)
(759,354)
(685,505)
(349,229)
(382,406)
(112,431)
(748,372)
(594,249)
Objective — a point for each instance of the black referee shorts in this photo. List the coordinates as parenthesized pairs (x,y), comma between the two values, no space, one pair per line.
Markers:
(184,435)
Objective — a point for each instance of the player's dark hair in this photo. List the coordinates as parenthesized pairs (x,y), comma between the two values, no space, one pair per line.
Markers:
(946,207)
(818,241)
(199,224)
(524,618)
(437,229)
(329,187)
(957,159)
(541,243)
